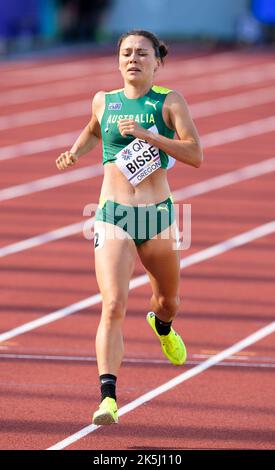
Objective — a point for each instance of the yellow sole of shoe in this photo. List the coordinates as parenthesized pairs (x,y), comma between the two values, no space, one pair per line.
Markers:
(104,418)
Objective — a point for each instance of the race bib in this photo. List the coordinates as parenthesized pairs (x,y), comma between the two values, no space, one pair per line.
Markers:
(139,159)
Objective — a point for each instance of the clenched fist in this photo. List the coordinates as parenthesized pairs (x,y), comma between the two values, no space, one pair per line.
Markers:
(131,127)
(65,160)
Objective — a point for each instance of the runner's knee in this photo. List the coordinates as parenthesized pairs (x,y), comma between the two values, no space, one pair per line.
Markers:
(168,305)
(114,309)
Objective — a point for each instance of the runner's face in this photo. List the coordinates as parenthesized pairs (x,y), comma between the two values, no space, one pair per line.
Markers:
(137,60)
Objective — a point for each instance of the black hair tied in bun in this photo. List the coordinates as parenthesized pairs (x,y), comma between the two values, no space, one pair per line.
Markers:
(163,51)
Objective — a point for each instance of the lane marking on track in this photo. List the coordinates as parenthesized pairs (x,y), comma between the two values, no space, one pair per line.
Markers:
(61,71)
(247,362)
(252,75)
(33,147)
(51,182)
(190,260)
(226,104)
(55,73)
(206,108)
(232,177)
(189,67)
(211,184)
(179,379)
(212,139)
(32,242)
(240,132)
(43,115)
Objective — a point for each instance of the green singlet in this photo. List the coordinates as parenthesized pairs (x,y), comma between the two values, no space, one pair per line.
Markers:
(146,111)
(141,222)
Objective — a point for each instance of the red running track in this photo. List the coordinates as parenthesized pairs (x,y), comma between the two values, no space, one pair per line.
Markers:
(49,381)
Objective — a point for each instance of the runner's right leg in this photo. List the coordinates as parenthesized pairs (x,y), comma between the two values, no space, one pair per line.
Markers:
(114,264)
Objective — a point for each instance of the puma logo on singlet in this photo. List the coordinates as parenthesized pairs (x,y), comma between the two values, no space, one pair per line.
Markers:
(152,104)
(163,208)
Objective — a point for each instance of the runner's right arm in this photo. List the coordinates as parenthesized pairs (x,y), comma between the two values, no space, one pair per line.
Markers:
(88,139)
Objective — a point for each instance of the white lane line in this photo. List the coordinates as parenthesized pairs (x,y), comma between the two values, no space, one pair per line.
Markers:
(64,71)
(79,85)
(72,69)
(250,76)
(190,260)
(179,379)
(82,85)
(26,68)
(38,240)
(52,317)
(42,115)
(51,182)
(28,148)
(25,148)
(134,360)
(33,147)
(211,184)
(82,108)
(231,103)
(43,64)
(226,179)
(246,362)
(222,81)
(54,73)
(239,132)
(194,63)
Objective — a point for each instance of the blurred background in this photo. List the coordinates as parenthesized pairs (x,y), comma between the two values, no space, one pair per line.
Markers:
(27,26)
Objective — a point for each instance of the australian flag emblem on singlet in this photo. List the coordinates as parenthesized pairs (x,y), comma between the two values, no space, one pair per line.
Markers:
(114,106)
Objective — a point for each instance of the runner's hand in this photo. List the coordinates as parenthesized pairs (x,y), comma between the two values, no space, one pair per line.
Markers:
(131,127)
(65,160)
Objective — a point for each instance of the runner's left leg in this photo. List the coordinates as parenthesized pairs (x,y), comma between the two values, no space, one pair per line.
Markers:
(161,260)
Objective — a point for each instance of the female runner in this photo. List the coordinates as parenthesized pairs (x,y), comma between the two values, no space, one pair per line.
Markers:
(136,125)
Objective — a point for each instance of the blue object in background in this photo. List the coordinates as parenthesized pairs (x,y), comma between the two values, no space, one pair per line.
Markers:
(264,10)
(19,18)
(48,18)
